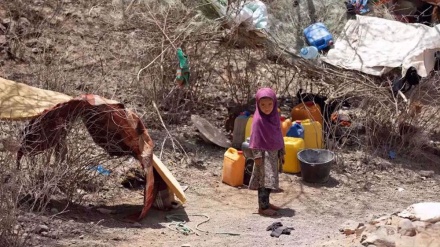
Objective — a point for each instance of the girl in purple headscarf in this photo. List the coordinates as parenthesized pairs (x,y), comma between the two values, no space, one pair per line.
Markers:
(267,146)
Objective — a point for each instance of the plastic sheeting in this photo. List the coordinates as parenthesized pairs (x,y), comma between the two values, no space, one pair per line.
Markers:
(375,46)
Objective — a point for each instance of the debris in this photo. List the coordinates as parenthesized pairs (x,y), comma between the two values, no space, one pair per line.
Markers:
(209,132)
(41,228)
(392,154)
(427,174)
(36,50)
(400,189)
(349,227)
(277,229)
(101,170)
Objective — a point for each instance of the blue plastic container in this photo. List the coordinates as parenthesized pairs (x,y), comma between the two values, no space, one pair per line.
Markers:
(297,130)
(318,36)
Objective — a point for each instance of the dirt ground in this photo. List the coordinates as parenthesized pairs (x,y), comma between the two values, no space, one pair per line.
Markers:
(360,188)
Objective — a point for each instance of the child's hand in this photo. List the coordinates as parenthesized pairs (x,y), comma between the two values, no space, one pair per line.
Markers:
(258,161)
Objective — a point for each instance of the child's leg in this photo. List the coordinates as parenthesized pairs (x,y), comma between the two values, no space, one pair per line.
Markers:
(263,198)
(263,202)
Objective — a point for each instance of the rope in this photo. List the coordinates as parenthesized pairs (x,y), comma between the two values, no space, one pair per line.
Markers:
(181,226)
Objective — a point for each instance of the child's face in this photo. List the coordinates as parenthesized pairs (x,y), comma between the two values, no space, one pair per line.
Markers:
(265,105)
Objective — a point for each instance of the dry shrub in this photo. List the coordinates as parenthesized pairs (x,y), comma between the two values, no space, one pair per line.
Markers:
(9,194)
(44,178)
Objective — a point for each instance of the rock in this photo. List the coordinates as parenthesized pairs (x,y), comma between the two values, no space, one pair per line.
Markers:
(406,228)
(405,241)
(384,236)
(360,230)
(394,220)
(427,174)
(185,245)
(420,225)
(427,239)
(349,227)
(41,228)
(380,221)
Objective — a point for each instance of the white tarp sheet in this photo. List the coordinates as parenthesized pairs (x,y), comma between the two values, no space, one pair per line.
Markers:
(424,211)
(375,46)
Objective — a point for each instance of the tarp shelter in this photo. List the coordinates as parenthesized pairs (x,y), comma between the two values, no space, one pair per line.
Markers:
(375,46)
(20,101)
(118,130)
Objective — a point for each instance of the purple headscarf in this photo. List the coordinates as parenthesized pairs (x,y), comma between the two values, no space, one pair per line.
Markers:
(266,129)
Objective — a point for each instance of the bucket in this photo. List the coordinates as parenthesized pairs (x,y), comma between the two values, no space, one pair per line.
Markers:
(315,164)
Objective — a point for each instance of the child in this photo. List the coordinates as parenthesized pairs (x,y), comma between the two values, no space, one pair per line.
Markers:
(267,146)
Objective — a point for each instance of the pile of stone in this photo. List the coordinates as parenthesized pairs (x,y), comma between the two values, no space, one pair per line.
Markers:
(417,226)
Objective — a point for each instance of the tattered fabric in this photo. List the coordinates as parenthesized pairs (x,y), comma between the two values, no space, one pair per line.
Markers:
(117,130)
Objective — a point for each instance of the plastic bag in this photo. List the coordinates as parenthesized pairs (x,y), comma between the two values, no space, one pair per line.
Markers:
(255,14)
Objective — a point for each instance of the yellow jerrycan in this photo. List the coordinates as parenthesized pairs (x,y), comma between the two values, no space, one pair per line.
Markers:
(313,136)
(233,167)
(292,146)
(248,127)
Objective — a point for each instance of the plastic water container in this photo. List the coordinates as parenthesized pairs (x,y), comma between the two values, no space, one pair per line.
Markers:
(238,134)
(307,110)
(309,52)
(297,130)
(285,125)
(313,136)
(246,150)
(233,167)
(292,146)
(248,127)
(318,36)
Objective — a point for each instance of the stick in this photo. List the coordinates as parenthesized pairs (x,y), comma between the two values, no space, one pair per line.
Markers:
(168,132)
